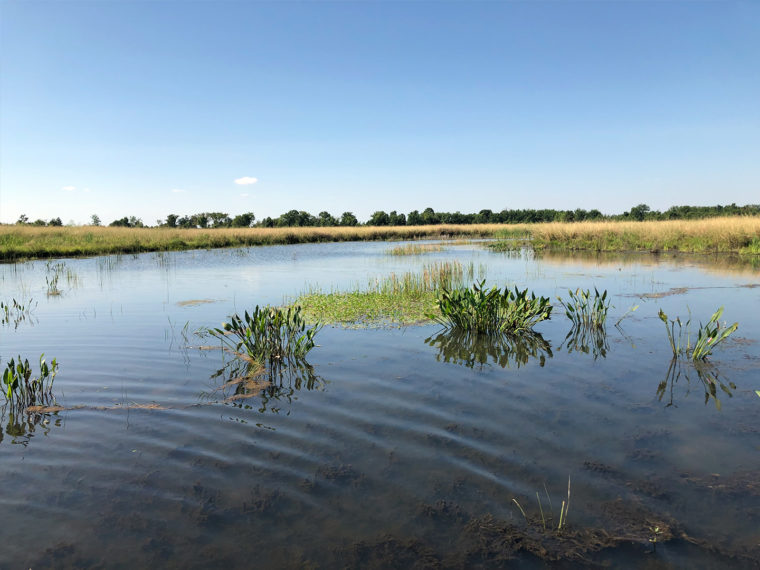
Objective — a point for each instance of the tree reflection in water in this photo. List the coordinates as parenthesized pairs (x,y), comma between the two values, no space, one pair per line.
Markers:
(707,374)
(472,349)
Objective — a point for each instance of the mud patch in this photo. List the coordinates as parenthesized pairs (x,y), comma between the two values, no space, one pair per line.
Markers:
(196,302)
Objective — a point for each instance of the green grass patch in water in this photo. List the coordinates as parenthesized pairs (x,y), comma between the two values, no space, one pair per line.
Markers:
(398,300)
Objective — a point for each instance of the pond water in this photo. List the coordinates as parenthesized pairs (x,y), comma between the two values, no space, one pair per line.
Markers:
(399,447)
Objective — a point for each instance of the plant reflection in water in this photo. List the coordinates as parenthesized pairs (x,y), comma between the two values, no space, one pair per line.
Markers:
(471,349)
(245,380)
(589,340)
(22,426)
(708,375)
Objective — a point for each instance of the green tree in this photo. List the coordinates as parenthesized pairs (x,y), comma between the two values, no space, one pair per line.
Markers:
(379,218)
(243,220)
(22,219)
(55,222)
(348,219)
(639,212)
(95,220)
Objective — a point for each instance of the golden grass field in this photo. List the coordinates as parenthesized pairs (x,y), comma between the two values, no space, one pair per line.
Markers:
(739,234)
(712,235)
(18,242)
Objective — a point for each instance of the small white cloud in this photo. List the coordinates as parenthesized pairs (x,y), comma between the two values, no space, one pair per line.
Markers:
(177,190)
(86,190)
(69,188)
(244,194)
(246,180)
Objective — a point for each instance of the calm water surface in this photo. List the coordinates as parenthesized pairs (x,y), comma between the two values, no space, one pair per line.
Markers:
(401,447)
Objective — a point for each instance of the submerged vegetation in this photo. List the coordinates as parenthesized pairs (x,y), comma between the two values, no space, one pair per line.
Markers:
(21,390)
(490,311)
(707,338)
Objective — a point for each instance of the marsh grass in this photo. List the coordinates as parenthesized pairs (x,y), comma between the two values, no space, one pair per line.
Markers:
(19,242)
(399,299)
(21,390)
(53,272)
(738,234)
(415,249)
(490,311)
(709,335)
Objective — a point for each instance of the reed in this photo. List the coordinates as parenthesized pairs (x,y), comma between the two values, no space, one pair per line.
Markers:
(709,335)
(739,234)
(415,249)
(22,391)
(490,311)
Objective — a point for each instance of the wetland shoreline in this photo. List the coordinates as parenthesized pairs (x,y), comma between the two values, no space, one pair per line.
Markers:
(739,235)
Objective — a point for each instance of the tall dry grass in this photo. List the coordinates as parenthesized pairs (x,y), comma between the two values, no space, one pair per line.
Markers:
(18,242)
(712,235)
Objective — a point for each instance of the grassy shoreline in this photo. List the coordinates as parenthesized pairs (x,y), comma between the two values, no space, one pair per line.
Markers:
(739,235)
(25,242)
(714,235)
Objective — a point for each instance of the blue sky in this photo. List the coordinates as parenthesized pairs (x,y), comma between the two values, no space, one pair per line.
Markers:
(151,108)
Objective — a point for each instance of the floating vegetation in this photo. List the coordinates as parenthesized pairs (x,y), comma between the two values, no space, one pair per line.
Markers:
(415,249)
(21,390)
(505,350)
(708,376)
(708,336)
(15,313)
(269,334)
(585,310)
(490,311)
(399,299)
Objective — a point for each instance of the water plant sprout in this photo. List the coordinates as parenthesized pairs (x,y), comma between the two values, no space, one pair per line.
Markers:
(21,390)
(548,523)
(270,334)
(708,336)
(490,311)
(586,310)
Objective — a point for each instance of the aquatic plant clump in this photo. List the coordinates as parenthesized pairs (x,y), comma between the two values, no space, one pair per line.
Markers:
(269,334)
(21,390)
(491,311)
(708,336)
(586,310)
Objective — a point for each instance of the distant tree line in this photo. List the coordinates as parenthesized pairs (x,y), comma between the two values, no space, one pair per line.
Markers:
(300,218)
